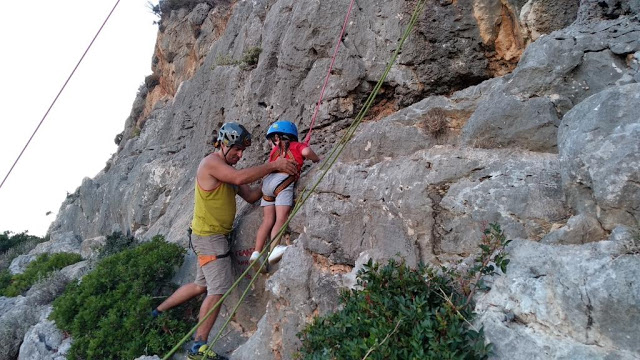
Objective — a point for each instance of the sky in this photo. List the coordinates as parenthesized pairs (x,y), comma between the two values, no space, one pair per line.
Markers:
(42,41)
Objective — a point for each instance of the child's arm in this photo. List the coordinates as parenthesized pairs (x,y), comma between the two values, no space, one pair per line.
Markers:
(309,154)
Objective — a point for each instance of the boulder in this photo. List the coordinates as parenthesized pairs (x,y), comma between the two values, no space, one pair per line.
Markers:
(90,248)
(580,229)
(574,301)
(45,341)
(600,156)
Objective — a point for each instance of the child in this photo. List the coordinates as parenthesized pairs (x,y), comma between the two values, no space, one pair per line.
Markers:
(277,188)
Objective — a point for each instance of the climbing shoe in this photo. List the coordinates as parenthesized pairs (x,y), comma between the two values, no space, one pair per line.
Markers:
(202,352)
(276,253)
(256,265)
(155,313)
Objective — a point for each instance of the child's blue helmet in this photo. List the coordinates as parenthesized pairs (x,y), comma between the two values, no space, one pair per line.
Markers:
(283,127)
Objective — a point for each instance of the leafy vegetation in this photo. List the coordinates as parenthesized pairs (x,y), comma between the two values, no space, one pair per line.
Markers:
(5,280)
(37,270)
(7,240)
(164,7)
(12,245)
(401,313)
(249,59)
(116,242)
(108,313)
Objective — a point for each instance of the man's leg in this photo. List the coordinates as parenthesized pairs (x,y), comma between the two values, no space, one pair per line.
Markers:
(202,333)
(184,293)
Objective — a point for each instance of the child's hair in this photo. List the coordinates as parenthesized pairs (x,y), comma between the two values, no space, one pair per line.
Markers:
(285,140)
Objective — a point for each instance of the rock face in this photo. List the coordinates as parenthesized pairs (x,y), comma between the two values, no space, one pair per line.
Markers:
(601,156)
(509,111)
(25,332)
(556,301)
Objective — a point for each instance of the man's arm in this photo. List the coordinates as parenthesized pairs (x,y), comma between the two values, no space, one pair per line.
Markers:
(248,194)
(220,170)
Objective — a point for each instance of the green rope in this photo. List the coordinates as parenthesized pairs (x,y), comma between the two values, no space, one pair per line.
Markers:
(305,193)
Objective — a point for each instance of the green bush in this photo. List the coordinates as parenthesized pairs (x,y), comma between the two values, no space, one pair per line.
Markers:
(38,269)
(12,245)
(249,59)
(251,56)
(108,313)
(164,7)
(5,280)
(400,313)
(116,242)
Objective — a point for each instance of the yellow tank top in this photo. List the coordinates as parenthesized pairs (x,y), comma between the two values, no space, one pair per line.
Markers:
(214,210)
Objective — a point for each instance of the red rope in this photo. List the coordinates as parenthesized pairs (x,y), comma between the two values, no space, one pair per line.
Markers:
(326,80)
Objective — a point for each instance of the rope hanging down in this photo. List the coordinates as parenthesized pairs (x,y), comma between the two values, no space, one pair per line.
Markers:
(59,92)
(305,193)
(307,139)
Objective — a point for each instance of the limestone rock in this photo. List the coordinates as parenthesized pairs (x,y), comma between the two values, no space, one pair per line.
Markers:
(600,156)
(560,301)
(580,229)
(554,74)
(90,248)
(44,341)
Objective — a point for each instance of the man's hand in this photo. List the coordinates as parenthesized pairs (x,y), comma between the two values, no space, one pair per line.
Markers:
(286,166)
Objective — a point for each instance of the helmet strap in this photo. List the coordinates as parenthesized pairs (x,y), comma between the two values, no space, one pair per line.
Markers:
(224,154)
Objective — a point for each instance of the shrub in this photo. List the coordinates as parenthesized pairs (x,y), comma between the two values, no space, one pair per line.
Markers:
(13,245)
(402,313)
(250,57)
(115,243)
(164,7)
(5,279)
(108,313)
(38,269)
(435,122)
(225,60)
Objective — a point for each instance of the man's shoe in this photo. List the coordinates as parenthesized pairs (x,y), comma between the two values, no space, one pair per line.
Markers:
(276,254)
(204,353)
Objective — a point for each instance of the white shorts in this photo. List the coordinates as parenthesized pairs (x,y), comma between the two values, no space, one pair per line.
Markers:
(269,184)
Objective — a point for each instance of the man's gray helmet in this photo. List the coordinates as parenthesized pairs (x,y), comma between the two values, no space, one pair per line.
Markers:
(233,134)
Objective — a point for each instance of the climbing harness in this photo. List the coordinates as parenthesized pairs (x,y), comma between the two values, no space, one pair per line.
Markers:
(305,193)
(284,183)
(205,259)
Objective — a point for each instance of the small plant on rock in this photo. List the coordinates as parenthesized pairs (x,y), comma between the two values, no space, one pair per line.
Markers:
(435,122)
(250,57)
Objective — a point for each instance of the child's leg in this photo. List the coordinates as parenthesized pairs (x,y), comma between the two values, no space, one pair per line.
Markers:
(281,216)
(268,220)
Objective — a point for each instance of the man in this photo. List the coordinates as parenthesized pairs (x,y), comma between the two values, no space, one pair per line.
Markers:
(217,183)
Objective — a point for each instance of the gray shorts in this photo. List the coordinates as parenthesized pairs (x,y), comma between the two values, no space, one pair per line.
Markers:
(216,275)
(269,184)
